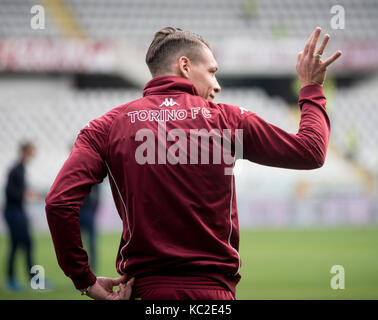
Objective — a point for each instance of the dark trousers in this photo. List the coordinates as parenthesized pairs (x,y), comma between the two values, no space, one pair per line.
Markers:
(19,238)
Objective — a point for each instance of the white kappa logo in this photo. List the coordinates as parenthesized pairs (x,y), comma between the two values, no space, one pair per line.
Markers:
(169,103)
(243,110)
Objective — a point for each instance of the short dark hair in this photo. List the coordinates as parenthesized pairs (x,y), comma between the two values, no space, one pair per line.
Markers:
(167,43)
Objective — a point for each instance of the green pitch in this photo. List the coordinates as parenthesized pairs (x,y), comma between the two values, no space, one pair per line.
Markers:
(289,264)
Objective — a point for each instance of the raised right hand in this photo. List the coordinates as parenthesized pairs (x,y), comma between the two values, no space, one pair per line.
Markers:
(311,70)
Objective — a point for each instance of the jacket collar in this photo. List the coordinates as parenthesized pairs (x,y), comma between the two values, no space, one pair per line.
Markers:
(169,84)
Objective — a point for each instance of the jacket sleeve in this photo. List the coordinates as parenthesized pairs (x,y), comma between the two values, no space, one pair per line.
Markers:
(84,167)
(269,145)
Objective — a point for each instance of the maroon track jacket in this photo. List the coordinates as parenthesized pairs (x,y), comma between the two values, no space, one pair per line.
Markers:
(179,218)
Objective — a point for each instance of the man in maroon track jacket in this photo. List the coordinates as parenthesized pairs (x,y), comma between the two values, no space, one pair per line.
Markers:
(169,157)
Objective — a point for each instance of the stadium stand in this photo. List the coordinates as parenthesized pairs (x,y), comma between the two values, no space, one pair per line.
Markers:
(218,19)
(355,119)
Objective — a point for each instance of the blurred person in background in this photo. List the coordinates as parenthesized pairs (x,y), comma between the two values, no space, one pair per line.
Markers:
(88,212)
(180,235)
(16,193)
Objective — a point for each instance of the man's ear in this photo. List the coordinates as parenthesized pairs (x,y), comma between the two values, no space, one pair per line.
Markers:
(184,66)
